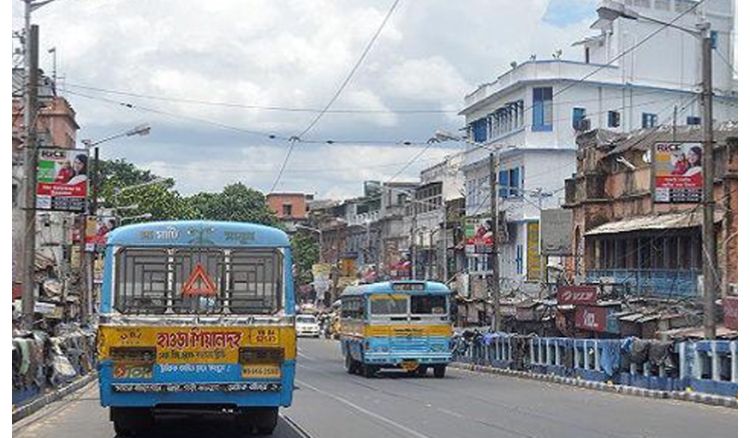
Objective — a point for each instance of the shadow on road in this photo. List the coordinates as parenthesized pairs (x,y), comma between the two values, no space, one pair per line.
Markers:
(205,428)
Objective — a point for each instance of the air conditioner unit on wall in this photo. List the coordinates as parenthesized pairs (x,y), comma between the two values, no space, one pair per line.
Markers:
(583,125)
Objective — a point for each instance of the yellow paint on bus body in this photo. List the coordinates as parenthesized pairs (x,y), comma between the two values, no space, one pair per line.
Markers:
(196,344)
(359,329)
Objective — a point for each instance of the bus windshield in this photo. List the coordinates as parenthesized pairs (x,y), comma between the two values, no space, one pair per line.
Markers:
(428,305)
(197,281)
(388,304)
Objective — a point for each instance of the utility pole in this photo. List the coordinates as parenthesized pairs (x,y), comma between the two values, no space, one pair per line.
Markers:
(31,46)
(709,237)
(495,288)
(414,241)
(445,242)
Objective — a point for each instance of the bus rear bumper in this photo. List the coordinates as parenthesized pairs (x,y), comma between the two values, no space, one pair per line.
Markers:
(186,391)
(390,359)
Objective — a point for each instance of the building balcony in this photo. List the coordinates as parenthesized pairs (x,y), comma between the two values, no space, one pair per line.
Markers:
(663,283)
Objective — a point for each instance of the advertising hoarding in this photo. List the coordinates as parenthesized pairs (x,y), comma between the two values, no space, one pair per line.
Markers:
(580,294)
(478,235)
(596,319)
(533,259)
(557,226)
(97,230)
(678,172)
(62,179)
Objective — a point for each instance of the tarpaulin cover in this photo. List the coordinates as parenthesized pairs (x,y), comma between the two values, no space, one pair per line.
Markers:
(610,357)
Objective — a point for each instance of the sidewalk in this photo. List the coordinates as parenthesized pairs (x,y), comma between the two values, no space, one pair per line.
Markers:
(697,397)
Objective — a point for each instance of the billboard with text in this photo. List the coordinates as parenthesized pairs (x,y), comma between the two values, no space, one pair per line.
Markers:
(62,179)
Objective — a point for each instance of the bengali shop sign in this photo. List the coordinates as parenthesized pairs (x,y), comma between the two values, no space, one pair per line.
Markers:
(579,294)
(591,318)
(62,179)
(678,172)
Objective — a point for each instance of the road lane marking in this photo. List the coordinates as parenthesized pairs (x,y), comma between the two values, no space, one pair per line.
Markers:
(364,410)
(301,354)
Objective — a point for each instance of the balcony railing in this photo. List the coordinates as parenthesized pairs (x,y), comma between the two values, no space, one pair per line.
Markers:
(676,283)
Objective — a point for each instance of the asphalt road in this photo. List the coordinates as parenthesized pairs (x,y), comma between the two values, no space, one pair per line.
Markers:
(331,403)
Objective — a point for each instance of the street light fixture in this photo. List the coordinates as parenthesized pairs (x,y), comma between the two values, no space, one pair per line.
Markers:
(611,11)
(140,216)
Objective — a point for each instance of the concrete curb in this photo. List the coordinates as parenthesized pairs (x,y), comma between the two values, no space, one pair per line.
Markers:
(696,397)
(24,411)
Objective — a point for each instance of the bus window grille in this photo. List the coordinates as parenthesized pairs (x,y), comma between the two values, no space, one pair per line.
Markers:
(151,281)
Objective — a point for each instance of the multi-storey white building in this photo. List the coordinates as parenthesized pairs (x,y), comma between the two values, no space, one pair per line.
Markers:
(531,113)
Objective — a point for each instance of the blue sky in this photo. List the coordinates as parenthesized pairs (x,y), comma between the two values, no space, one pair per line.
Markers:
(288,54)
(566,12)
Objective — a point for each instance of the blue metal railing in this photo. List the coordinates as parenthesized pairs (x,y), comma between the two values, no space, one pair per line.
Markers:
(702,366)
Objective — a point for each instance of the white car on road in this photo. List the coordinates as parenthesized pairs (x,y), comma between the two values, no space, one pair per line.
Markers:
(307,325)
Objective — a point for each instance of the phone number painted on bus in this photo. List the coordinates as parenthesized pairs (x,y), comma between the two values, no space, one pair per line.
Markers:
(196,344)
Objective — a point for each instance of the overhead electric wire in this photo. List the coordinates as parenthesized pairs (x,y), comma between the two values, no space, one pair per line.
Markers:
(410,162)
(293,140)
(726,61)
(268,135)
(306,110)
(630,49)
(252,170)
(181,116)
(265,107)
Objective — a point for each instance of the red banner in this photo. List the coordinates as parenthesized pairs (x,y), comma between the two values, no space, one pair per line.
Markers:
(730,312)
(591,318)
(576,295)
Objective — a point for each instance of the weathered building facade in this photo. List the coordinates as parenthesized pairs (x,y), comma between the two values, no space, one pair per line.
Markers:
(623,235)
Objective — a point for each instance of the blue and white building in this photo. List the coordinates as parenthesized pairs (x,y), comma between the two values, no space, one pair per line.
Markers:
(531,113)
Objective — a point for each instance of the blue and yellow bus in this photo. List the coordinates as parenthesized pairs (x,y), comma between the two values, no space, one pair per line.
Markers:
(399,324)
(196,317)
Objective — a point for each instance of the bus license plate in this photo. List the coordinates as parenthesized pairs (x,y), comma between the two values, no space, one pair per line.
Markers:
(264,371)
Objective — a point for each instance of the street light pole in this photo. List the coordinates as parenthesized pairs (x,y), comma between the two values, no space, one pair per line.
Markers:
(88,259)
(495,285)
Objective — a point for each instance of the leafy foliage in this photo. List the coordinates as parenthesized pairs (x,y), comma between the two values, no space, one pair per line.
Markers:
(305,253)
(236,202)
(120,186)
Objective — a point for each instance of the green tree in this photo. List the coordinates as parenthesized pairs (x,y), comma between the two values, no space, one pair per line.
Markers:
(114,175)
(305,253)
(236,202)
(161,202)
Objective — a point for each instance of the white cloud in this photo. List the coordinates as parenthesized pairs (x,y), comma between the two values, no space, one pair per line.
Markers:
(284,53)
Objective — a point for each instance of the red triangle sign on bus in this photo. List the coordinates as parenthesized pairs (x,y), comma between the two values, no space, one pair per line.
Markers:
(199,283)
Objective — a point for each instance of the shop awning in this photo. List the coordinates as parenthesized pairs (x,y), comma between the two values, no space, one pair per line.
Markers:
(693,218)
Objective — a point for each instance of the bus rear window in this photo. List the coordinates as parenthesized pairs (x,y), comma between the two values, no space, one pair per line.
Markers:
(197,281)
(428,305)
(388,305)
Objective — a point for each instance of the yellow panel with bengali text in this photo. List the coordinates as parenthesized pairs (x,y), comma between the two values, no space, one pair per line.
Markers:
(196,344)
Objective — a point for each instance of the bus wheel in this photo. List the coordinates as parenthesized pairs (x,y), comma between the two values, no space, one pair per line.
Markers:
(369,370)
(267,420)
(351,364)
(439,371)
(421,371)
(261,421)
(130,421)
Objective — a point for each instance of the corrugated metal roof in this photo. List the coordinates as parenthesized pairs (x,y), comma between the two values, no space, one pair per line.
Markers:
(688,219)
(642,139)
